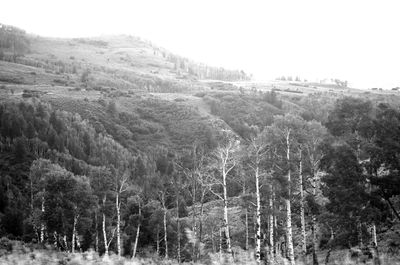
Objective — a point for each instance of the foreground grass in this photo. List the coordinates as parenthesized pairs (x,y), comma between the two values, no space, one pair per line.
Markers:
(21,254)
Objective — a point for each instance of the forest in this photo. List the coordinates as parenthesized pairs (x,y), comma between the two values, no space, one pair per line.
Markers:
(114,151)
(290,188)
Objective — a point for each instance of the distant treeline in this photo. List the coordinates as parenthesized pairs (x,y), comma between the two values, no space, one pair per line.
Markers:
(203,71)
(13,42)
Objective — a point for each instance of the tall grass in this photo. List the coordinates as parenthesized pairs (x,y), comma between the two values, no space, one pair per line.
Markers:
(29,255)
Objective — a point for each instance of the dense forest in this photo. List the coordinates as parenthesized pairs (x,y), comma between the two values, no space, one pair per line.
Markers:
(296,185)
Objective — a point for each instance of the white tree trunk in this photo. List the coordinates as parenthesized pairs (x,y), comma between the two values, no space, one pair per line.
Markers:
(258,218)
(302,211)
(137,233)
(118,206)
(271,222)
(65,243)
(289,233)
(247,229)
(55,240)
(374,239)
(74,234)
(226,220)
(105,236)
(314,222)
(42,226)
(165,233)
(178,228)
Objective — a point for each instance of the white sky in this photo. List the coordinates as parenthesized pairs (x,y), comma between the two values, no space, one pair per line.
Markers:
(354,40)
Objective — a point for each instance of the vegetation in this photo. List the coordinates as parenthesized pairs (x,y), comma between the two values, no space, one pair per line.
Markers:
(120,174)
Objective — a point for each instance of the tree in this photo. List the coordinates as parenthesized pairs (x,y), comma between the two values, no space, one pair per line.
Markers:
(383,166)
(85,77)
(256,152)
(345,188)
(137,200)
(20,147)
(101,181)
(38,173)
(311,153)
(352,120)
(226,159)
(285,133)
(70,199)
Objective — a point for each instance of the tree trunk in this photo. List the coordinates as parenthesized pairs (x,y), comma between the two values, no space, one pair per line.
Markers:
(105,236)
(275,238)
(55,240)
(201,223)
(137,233)
(118,206)
(65,243)
(33,221)
(42,227)
(78,243)
(271,223)
(328,254)
(359,234)
(374,239)
(314,239)
(212,239)
(258,218)
(247,229)
(226,221)
(194,228)
(178,227)
(302,213)
(74,234)
(314,222)
(392,207)
(165,233)
(289,234)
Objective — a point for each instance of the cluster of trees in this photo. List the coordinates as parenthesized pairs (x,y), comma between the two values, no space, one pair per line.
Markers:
(13,42)
(203,71)
(299,185)
(341,83)
(244,112)
(148,123)
(290,78)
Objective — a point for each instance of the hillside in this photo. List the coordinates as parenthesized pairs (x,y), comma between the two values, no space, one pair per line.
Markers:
(117,145)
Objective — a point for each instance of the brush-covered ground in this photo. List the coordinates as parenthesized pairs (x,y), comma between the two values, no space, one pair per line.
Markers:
(16,253)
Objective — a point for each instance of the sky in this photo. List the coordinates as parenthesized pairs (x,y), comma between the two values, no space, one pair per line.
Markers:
(352,40)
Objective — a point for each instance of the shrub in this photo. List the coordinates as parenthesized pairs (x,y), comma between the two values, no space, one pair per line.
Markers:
(200,94)
(5,244)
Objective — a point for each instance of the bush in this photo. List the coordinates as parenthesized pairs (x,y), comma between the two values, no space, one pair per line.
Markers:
(200,94)
(5,244)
